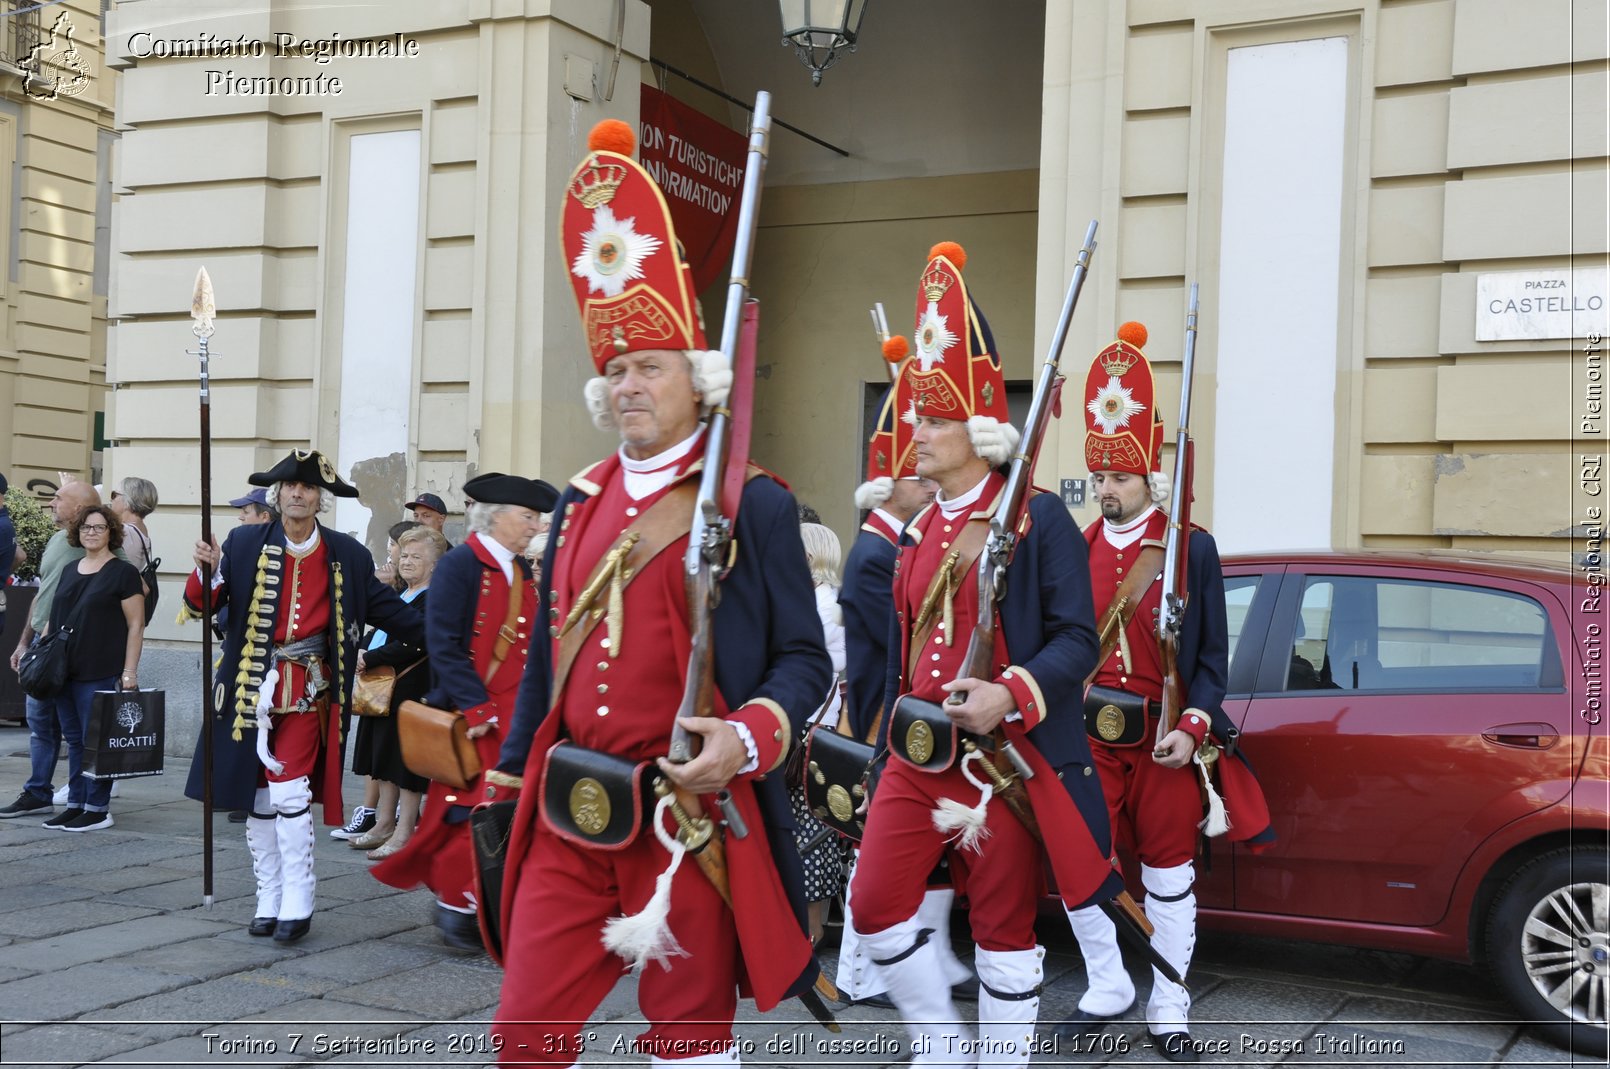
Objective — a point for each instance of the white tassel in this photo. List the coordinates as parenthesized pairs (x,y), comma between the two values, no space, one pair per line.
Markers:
(265,701)
(965,823)
(647,933)
(1217,821)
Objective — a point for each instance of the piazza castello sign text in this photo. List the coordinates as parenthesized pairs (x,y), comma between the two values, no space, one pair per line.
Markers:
(1542,304)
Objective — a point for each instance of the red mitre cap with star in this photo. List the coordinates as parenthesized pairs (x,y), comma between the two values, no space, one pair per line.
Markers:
(954,371)
(632,287)
(889,453)
(1123,427)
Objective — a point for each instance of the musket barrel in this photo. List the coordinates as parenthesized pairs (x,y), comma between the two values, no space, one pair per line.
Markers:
(1040,409)
(1170,617)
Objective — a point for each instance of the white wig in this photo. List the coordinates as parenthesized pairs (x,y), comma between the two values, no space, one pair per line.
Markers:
(993,440)
(479,516)
(326,499)
(874,493)
(1160,486)
(712,381)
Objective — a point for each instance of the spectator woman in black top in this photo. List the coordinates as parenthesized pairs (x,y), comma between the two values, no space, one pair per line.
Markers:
(102,599)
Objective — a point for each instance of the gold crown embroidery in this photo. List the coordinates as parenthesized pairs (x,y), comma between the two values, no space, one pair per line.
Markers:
(597,183)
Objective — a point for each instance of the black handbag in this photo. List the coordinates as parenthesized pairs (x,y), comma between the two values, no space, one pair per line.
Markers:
(42,670)
(837,777)
(125,736)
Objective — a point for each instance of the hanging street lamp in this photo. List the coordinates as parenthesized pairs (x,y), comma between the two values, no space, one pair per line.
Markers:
(818,29)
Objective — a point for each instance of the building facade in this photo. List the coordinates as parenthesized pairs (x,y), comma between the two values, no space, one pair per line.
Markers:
(56,140)
(375,192)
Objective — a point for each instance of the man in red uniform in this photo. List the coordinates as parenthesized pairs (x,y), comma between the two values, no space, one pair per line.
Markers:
(298,596)
(892,495)
(479,622)
(953,406)
(595,882)
(1154,790)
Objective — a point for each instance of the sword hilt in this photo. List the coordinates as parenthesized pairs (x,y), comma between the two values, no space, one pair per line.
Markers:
(999,779)
(693,832)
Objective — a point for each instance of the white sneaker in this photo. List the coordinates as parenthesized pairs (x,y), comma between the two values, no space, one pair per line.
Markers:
(114,787)
(60,797)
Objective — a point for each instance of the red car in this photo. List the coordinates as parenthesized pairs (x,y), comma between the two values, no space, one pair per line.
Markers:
(1428,729)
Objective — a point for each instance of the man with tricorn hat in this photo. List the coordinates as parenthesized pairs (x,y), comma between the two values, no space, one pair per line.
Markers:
(954,422)
(591,851)
(299,596)
(480,618)
(1154,789)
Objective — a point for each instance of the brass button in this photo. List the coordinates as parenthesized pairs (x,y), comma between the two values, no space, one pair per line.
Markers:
(936,673)
(603,688)
(936,656)
(603,710)
(604,643)
(603,666)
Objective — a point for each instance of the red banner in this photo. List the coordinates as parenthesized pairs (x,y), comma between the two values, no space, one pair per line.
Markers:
(699,163)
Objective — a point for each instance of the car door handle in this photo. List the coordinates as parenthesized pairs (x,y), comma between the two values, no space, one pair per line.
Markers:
(1522,736)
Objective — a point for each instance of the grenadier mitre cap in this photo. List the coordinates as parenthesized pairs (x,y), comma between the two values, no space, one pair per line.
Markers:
(632,286)
(1123,427)
(496,488)
(954,371)
(889,454)
(307,466)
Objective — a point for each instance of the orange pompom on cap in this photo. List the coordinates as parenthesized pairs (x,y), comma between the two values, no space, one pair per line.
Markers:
(895,349)
(950,251)
(1133,333)
(612,135)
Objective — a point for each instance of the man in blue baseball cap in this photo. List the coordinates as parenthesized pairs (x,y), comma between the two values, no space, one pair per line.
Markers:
(254,506)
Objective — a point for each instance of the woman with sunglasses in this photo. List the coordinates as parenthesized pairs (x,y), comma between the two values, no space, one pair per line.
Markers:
(101,598)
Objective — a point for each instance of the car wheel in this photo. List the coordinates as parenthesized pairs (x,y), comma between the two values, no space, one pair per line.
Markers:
(1548,941)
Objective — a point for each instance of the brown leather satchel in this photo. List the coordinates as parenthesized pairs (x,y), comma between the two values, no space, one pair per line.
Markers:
(436,744)
(372,689)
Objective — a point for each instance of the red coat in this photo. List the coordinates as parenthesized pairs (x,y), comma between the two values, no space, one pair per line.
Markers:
(469,600)
(633,717)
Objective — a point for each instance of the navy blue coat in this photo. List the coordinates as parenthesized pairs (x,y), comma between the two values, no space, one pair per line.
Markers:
(1048,619)
(768,638)
(366,602)
(450,622)
(867,600)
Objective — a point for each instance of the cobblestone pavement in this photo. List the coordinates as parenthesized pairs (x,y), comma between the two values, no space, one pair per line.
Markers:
(107,957)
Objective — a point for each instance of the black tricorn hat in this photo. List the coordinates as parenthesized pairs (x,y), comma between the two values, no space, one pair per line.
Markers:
(496,488)
(305,466)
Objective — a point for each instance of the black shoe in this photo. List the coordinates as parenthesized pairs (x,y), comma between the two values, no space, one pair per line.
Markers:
(881,1001)
(460,931)
(291,931)
(62,819)
(262,925)
(237,816)
(26,805)
(89,820)
(966,991)
(1081,1023)
(1176,1046)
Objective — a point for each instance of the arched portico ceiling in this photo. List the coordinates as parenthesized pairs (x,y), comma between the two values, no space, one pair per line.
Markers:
(936,87)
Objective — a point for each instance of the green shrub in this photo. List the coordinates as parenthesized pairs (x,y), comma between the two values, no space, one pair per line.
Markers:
(34,526)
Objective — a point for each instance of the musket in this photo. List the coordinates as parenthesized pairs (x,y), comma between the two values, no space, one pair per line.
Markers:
(1006,528)
(880,327)
(1176,542)
(203,308)
(710,545)
(1007,524)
